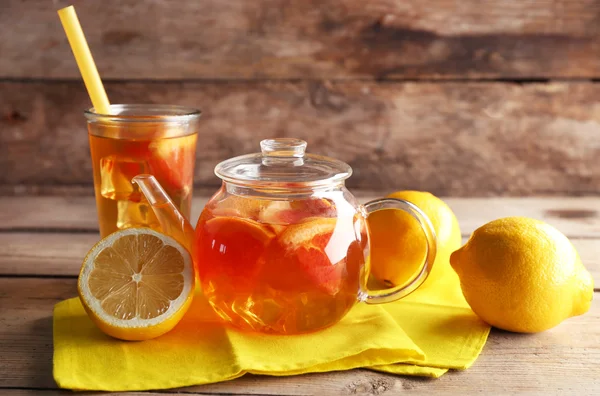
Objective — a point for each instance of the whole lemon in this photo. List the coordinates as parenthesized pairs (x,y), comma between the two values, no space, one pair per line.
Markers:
(398,243)
(522,275)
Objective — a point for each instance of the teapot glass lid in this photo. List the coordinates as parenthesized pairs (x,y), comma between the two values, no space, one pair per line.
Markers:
(283,162)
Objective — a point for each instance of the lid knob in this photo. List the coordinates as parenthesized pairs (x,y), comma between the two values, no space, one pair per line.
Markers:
(283,147)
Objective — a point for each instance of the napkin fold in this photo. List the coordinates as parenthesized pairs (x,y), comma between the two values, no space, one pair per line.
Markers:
(438,319)
(425,334)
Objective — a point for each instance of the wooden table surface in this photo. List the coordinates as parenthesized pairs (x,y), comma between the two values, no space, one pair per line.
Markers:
(43,240)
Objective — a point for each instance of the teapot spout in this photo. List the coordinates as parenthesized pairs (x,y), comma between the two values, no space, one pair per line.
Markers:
(172,222)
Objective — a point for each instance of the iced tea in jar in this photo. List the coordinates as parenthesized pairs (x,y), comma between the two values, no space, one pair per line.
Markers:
(283,246)
(135,139)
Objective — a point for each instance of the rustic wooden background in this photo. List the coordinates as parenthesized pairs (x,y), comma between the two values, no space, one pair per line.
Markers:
(463,98)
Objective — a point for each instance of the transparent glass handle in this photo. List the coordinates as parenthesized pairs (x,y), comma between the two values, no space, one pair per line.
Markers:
(395,293)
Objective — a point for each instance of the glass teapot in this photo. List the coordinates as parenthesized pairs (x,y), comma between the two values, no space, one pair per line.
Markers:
(283,247)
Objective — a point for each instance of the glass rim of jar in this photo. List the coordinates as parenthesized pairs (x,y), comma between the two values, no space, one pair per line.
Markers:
(144,113)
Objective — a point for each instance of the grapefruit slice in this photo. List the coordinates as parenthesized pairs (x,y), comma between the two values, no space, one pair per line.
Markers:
(292,212)
(136,284)
(172,161)
(307,243)
(242,207)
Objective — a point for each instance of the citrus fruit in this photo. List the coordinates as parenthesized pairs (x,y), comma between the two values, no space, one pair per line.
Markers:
(230,250)
(271,214)
(136,284)
(522,275)
(244,207)
(306,245)
(170,161)
(292,212)
(398,243)
(301,210)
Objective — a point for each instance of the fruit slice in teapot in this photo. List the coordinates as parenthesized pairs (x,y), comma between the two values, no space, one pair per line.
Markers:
(307,245)
(232,249)
(309,256)
(292,212)
(274,212)
(245,207)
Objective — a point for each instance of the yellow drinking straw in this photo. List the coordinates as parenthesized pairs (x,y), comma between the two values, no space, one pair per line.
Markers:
(84,59)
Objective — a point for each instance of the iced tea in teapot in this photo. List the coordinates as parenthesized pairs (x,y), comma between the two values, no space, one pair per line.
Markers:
(277,265)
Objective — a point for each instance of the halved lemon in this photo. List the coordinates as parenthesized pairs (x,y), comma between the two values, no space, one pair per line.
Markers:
(136,284)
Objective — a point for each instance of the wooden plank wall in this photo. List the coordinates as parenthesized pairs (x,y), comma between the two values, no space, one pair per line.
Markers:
(469,98)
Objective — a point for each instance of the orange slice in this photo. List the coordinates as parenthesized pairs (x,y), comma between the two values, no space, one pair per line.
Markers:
(230,250)
(136,284)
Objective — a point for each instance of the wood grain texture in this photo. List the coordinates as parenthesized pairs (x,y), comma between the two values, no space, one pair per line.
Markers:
(44,254)
(576,217)
(460,139)
(299,39)
(564,358)
(49,254)
(57,392)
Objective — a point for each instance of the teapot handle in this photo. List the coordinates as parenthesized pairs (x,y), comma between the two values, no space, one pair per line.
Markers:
(395,293)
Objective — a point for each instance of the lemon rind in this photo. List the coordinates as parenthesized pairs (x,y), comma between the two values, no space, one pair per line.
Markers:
(94,304)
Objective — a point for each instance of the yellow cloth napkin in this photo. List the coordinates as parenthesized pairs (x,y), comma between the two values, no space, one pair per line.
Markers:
(438,319)
(426,333)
